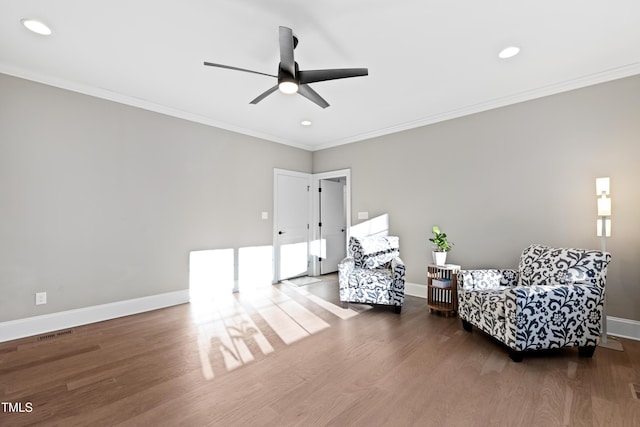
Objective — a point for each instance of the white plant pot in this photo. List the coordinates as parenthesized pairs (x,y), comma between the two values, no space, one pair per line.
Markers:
(439,258)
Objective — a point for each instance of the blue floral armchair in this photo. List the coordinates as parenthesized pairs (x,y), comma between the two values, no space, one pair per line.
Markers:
(554,299)
(373,272)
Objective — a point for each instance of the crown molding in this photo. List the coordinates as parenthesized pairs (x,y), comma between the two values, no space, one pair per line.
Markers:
(567,85)
(143,104)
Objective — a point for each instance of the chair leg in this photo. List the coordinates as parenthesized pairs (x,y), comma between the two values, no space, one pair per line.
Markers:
(397,308)
(586,351)
(516,356)
(466,325)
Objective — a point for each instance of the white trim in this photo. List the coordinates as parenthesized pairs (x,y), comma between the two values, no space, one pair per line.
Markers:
(572,84)
(145,105)
(415,290)
(624,328)
(21,328)
(30,326)
(565,86)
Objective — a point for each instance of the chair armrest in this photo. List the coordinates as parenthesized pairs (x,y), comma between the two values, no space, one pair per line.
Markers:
(398,271)
(486,279)
(345,268)
(553,316)
(397,264)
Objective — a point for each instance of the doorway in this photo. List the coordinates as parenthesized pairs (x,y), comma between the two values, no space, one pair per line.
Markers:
(326,231)
(332,224)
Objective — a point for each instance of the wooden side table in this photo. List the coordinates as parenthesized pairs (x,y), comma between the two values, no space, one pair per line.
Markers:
(442,288)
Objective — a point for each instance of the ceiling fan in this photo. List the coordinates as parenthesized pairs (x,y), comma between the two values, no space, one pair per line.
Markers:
(291,79)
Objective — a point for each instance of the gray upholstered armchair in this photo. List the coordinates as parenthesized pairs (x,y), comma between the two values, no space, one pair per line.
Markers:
(554,299)
(373,272)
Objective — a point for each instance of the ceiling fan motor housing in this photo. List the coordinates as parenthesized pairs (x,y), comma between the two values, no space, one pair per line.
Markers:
(285,76)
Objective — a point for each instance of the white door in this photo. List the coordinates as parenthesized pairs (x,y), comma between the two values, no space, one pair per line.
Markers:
(292,208)
(332,224)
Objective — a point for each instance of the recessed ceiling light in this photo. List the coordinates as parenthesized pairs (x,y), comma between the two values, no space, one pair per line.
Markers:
(509,52)
(36,26)
(306,123)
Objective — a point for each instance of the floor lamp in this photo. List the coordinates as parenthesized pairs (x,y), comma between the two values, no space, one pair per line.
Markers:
(603,230)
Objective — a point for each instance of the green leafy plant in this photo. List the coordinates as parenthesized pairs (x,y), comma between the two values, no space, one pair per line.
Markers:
(440,242)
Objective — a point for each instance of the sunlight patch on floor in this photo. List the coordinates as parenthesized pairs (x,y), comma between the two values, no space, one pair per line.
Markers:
(229,337)
(343,313)
(225,330)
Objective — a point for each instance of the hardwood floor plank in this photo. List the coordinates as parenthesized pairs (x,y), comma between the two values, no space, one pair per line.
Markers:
(43,360)
(220,362)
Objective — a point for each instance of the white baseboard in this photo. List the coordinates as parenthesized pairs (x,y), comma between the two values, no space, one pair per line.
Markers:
(616,326)
(21,328)
(30,326)
(623,328)
(415,290)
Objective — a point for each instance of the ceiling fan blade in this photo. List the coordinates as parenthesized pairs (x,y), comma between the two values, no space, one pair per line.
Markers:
(211,64)
(287,63)
(264,94)
(312,95)
(312,76)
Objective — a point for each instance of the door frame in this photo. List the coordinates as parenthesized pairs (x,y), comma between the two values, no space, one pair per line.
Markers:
(314,217)
(315,210)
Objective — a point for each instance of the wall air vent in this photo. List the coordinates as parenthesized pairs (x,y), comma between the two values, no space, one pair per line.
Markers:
(53,335)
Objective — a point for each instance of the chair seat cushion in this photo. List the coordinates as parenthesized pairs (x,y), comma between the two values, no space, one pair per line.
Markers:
(489,302)
(373,279)
(371,286)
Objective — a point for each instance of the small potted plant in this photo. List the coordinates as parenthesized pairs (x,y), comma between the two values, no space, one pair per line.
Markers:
(440,246)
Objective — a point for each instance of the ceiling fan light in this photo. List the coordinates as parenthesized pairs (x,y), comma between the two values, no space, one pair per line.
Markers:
(36,26)
(288,87)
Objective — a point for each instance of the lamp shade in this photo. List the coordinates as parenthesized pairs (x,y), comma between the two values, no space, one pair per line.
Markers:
(602,186)
(604,206)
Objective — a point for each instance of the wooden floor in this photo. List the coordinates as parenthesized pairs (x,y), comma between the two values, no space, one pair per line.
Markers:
(292,356)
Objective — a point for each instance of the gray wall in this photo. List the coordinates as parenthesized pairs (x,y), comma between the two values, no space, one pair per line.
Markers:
(101,202)
(498,181)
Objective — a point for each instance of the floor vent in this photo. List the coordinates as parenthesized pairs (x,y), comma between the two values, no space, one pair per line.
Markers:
(635,391)
(53,335)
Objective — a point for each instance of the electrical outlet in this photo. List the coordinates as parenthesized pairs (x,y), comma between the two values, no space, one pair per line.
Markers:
(41,298)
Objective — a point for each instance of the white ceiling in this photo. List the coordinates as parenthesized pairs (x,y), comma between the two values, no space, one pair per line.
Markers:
(428,60)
